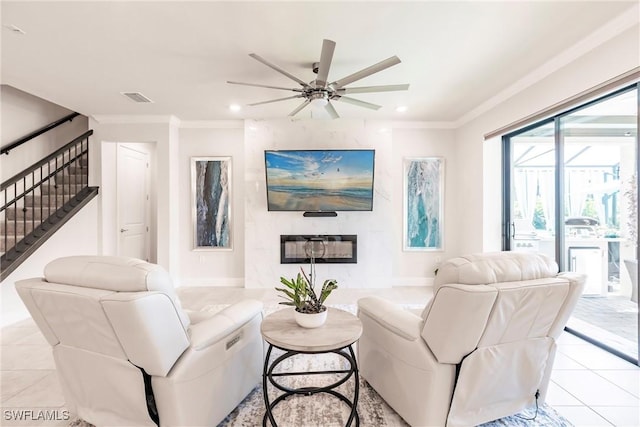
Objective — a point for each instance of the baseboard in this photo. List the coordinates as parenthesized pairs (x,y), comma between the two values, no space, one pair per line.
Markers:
(238,282)
(222,282)
(412,281)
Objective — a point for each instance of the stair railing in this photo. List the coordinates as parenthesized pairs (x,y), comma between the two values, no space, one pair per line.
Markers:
(31,192)
(35,133)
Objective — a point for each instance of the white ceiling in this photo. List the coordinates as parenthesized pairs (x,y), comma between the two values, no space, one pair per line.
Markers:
(455,55)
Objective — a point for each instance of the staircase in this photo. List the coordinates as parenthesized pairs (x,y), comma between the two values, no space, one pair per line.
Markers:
(40,199)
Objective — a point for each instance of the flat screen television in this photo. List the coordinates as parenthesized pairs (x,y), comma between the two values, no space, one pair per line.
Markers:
(319,180)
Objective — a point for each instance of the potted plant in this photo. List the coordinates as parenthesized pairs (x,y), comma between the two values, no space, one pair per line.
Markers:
(310,311)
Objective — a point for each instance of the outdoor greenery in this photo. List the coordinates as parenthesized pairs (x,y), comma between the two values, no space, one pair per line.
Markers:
(632,205)
(539,221)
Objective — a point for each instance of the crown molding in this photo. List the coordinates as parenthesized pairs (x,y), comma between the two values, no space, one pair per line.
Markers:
(608,31)
(212,124)
(136,119)
(422,125)
(240,123)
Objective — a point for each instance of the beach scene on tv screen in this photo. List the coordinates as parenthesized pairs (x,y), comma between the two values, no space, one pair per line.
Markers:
(320,180)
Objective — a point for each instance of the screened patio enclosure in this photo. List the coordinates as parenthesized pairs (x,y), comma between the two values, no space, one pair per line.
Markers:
(571,193)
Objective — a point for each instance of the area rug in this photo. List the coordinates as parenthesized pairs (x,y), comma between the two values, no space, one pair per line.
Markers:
(322,410)
(373,412)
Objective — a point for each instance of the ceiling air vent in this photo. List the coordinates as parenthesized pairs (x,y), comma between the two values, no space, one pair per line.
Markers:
(136,97)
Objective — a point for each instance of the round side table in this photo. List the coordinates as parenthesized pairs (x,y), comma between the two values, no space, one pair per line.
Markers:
(341,330)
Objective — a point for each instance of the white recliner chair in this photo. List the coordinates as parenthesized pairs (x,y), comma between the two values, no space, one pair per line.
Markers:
(483,347)
(127,354)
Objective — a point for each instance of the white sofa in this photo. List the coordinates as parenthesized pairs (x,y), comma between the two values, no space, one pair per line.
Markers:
(483,347)
(126,353)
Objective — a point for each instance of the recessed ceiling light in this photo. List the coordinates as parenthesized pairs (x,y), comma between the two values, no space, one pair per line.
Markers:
(401,108)
(235,107)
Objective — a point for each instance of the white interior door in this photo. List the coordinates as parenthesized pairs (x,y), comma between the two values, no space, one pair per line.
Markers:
(133,202)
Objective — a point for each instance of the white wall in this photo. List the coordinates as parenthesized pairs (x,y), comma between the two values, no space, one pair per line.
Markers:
(479,189)
(21,114)
(163,135)
(79,236)
(254,260)
(415,268)
(211,267)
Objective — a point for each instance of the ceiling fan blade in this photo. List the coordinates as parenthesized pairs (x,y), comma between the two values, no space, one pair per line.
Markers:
(358,102)
(328,46)
(332,111)
(275,100)
(278,69)
(267,86)
(382,65)
(369,89)
(299,108)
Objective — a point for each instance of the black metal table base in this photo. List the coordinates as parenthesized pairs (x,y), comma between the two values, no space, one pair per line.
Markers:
(269,375)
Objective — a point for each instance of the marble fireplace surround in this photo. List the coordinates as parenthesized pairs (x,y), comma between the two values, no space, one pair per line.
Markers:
(263,228)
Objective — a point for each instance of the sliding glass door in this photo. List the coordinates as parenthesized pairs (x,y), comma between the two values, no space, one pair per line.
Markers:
(571,193)
(533,190)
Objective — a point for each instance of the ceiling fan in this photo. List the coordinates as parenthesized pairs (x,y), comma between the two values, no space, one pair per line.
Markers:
(320,92)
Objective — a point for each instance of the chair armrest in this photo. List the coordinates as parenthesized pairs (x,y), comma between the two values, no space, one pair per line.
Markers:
(197,316)
(148,327)
(212,330)
(576,287)
(576,279)
(392,317)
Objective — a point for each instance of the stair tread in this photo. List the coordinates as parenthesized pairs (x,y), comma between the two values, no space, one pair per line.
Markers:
(46,207)
(15,256)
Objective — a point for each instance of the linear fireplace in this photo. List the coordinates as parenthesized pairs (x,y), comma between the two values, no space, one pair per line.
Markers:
(331,249)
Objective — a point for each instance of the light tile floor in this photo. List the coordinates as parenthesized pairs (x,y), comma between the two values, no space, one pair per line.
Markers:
(588,386)
(611,319)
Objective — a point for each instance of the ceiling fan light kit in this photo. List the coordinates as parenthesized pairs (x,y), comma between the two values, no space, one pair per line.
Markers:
(319,99)
(319,93)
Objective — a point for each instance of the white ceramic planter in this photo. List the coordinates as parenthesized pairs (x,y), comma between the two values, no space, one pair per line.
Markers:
(311,320)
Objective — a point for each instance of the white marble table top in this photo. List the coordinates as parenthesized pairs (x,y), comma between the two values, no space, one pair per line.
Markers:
(340,330)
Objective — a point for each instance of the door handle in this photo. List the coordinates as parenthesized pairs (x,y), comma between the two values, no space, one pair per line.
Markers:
(122,230)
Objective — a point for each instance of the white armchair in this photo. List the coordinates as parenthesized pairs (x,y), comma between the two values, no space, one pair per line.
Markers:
(128,355)
(483,347)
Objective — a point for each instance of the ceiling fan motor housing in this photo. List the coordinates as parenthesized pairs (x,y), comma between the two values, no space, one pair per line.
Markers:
(318,93)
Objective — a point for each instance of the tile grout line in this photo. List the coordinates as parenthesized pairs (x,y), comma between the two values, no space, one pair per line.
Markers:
(28,386)
(579,400)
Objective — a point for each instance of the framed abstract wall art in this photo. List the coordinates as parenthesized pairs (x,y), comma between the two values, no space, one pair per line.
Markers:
(423,204)
(211,202)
